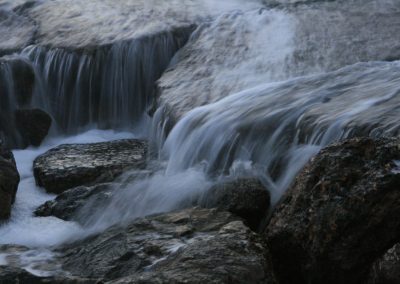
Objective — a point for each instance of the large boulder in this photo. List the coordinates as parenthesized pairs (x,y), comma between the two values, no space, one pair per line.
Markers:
(275,45)
(9,180)
(33,125)
(340,214)
(386,270)
(245,197)
(69,166)
(189,246)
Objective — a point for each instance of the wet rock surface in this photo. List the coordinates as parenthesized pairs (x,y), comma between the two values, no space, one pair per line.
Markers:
(318,37)
(33,125)
(386,270)
(67,204)
(245,197)
(193,245)
(16,31)
(75,24)
(69,166)
(340,214)
(10,275)
(9,180)
(79,202)
(17,80)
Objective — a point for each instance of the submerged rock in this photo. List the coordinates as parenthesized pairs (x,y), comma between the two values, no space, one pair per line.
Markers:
(66,205)
(245,197)
(79,202)
(69,166)
(9,180)
(340,214)
(33,125)
(386,270)
(194,245)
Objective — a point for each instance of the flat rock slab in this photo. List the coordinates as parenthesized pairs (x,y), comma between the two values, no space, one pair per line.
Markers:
(68,166)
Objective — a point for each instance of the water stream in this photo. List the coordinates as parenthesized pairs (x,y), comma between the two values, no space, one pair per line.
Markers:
(269,127)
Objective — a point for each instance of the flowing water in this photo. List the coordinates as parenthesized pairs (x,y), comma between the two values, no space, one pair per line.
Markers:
(269,127)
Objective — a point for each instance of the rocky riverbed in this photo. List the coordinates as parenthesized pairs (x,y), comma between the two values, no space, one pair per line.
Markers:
(187,141)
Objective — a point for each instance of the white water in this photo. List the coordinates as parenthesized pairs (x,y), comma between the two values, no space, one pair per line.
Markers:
(40,234)
(270,130)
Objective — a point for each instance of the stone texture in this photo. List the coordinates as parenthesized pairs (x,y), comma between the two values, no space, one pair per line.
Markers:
(23,76)
(16,31)
(9,180)
(33,125)
(189,246)
(73,23)
(275,45)
(386,270)
(66,205)
(69,166)
(10,275)
(77,203)
(245,197)
(340,215)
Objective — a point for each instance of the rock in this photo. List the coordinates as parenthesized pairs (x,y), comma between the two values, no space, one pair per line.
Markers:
(33,125)
(79,25)
(340,215)
(10,274)
(386,270)
(69,166)
(17,81)
(320,36)
(16,31)
(68,203)
(246,197)
(9,180)
(79,202)
(23,76)
(193,245)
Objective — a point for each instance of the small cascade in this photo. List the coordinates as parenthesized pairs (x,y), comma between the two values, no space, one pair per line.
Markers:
(105,87)
(278,127)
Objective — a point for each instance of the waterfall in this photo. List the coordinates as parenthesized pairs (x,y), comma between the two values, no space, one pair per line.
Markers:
(105,87)
(278,127)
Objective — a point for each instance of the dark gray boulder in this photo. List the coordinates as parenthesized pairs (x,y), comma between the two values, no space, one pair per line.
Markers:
(68,203)
(9,180)
(189,246)
(386,270)
(69,166)
(33,125)
(245,197)
(340,215)
(23,76)
(79,202)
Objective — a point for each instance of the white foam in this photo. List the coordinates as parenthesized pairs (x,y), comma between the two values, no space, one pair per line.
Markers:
(25,229)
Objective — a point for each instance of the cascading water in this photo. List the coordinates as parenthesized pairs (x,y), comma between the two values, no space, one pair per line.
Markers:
(278,127)
(265,129)
(107,87)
